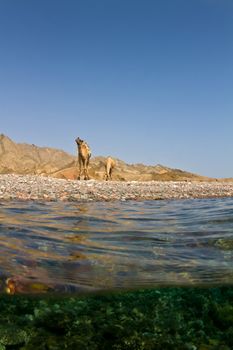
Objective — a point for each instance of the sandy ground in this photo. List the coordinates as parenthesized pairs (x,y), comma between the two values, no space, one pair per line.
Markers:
(29,187)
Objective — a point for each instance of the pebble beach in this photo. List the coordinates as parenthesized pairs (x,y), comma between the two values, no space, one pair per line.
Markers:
(40,188)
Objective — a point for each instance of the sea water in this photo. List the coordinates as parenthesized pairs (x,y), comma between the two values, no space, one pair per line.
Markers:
(82,247)
(161,269)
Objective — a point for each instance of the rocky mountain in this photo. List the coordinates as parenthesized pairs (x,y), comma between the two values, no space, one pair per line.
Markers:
(22,158)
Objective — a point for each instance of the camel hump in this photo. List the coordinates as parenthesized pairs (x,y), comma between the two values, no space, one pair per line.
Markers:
(109,165)
(110,162)
(86,145)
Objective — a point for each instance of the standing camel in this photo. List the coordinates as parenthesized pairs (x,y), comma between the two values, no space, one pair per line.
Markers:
(84,155)
(109,165)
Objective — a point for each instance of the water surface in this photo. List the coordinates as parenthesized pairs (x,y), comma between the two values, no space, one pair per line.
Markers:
(85,247)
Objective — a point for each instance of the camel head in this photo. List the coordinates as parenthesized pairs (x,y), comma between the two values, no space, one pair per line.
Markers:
(79,141)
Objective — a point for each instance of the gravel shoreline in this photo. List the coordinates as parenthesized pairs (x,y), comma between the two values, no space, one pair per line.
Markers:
(39,188)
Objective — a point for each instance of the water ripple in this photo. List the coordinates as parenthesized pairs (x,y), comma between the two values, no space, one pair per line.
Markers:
(83,247)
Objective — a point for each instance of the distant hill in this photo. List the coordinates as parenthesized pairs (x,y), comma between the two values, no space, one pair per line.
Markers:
(22,158)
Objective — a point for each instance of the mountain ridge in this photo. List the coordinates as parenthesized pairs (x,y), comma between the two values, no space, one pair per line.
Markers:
(23,158)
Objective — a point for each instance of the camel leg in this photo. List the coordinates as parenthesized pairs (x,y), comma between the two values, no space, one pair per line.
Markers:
(85,166)
(80,169)
(105,176)
(86,176)
(110,174)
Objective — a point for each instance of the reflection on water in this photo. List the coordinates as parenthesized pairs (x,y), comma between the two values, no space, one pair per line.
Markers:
(81,247)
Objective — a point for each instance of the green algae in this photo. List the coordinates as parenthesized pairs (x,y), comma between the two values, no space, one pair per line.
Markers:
(166,318)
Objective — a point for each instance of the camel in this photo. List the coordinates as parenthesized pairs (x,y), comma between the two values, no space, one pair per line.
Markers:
(109,165)
(84,155)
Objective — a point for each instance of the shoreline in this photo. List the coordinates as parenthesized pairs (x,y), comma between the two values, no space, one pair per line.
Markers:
(41,188)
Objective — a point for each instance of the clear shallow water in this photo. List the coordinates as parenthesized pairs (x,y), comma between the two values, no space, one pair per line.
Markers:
(84,247)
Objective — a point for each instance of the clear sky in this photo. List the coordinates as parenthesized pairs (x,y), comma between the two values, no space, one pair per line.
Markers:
(146,81)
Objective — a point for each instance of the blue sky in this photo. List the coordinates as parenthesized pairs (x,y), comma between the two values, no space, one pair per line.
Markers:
(146,81)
